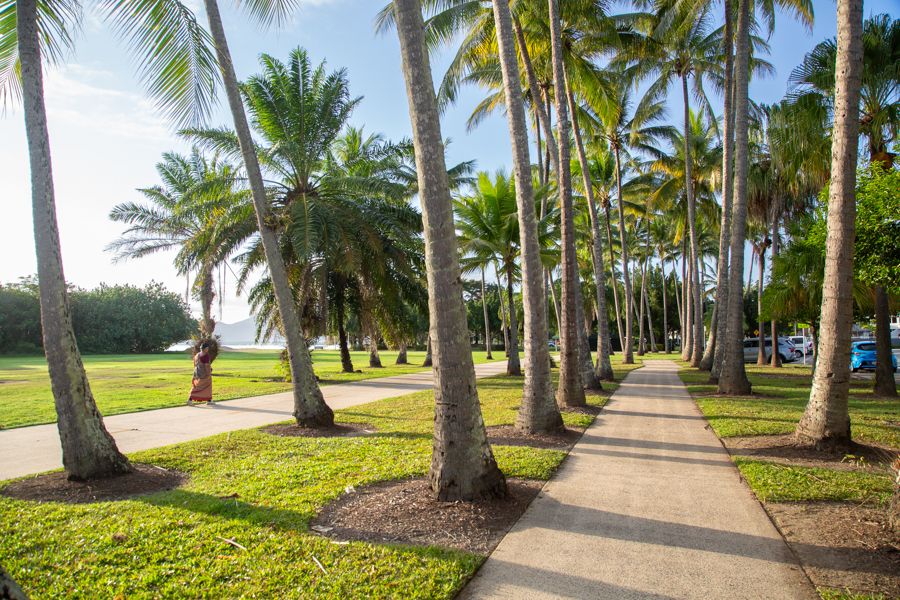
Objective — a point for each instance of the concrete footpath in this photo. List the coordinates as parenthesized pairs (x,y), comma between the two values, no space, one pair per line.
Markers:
(28,450)
(647,505)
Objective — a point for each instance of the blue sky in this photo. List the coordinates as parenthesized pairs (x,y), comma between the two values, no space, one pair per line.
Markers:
(106,137)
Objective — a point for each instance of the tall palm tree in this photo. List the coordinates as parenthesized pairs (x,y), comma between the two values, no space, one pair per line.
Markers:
(195,192)
(826,420)
(681,47)
(537,412)
(611,119)
(570,391)
(462,464)
(733,377)
(178,71)
(813,81)
(309,405)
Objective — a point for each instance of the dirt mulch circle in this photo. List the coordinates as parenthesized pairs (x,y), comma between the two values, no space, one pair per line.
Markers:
(507,435)
(843,546)
(782,449)
(405,512)
(54,487)
(337,430)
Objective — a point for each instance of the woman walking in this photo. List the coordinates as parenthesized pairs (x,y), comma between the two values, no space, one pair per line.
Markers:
(201,390)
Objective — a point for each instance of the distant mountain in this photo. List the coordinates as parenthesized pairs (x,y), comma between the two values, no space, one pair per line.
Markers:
(242,333)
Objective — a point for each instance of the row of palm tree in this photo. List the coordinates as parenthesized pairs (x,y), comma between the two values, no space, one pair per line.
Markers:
(303,205)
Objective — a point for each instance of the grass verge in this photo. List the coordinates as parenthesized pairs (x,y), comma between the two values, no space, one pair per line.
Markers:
(259,491)
(136,382)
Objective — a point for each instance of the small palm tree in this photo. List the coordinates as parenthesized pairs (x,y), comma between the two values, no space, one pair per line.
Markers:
(180,215)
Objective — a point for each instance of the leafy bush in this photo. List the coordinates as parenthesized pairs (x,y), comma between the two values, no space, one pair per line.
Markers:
(108,320)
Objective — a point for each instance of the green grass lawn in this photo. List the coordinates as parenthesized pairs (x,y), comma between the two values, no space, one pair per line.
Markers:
(135,382)
(260,491)
(780,396)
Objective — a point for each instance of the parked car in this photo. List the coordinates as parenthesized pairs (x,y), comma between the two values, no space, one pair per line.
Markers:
(801,342)
(786,350)
(862,356)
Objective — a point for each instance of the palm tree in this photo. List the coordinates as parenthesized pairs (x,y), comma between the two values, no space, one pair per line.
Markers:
(813,81)
(610,121)
(489,232)
(733,377)
(179,73)
(309,405)
(570,391)
(462,464)
(680,47)
(195,191)
(536,413)
(826,421)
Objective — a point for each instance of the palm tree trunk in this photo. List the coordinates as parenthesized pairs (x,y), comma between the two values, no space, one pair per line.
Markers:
(650,317)
(603,370)
(543,116)
(88,450)
(462,463)
(554,298)
(697,351)
(570,392)
(727,192)
(512,364)
(487,321)
(310,409)
(346,361)
(538,412)
(642,346)
(776,356)
(733,377)
(504,320)
(687,296)
(666,347)
(826,421)
(9,589)
(589,379)
(628,350)
(207,295)
(885,384)
(761,358)
(429,362)
(675,289)
(402,357)
(374,357)
(612,271)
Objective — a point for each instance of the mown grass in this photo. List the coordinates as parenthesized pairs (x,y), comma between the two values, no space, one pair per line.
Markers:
(135,382)
(833,594)
(781,483)
(259,491)
(779,399)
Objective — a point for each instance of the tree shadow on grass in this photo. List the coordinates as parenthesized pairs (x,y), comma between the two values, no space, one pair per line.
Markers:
(231,508)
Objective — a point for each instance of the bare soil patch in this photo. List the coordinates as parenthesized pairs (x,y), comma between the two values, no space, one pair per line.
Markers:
(507,435)
(338,430)
(583,410)
(843,546)
(782,449)
(404,512)
(54,487)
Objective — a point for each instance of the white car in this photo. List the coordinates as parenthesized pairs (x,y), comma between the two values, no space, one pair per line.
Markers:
(786,350)
(801,343)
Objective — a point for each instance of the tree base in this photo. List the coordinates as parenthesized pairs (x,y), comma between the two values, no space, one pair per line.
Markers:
(491,484)
(318,418)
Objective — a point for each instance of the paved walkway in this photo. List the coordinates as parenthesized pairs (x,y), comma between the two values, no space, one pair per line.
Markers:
(647,505)
(28,450)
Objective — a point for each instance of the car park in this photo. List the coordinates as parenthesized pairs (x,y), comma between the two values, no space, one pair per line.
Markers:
(863,357)
(803,344)
(786,350)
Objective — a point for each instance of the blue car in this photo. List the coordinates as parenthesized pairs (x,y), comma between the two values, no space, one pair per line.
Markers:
(862,356)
